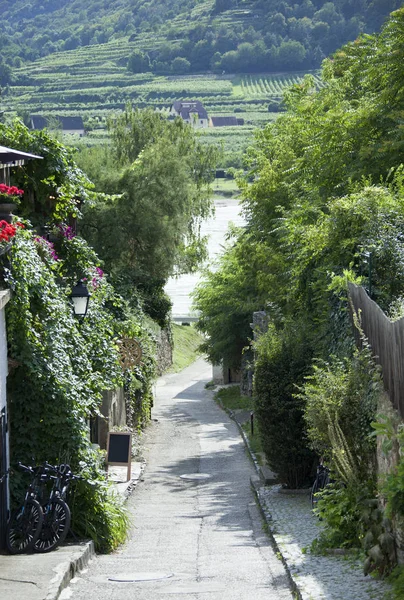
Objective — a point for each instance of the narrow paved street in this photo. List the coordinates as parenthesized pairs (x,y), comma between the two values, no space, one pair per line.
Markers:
(198,538)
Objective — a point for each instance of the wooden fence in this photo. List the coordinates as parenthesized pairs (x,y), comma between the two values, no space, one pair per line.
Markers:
(386,339)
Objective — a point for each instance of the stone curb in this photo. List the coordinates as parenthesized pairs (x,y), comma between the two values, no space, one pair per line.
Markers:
(243,435)
(65,571)
(256,483)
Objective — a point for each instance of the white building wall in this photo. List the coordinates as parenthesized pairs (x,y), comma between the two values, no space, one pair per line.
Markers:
(4,298)
(217,374)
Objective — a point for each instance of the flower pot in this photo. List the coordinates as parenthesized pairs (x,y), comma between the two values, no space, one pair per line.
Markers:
(6,212)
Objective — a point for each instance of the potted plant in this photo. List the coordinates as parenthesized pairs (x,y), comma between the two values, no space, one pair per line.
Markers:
(9,198)
(7,232)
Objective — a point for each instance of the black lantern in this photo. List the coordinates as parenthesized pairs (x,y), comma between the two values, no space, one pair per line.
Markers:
(80,296)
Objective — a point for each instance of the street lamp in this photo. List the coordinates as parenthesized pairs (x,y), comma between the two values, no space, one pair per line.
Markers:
(80,296)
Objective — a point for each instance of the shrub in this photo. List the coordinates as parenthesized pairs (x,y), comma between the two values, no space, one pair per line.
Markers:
(283,360)
(347,513)
(341,401)
(98,512)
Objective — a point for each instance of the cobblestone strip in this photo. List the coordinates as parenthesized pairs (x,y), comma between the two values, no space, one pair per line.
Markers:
(294,527)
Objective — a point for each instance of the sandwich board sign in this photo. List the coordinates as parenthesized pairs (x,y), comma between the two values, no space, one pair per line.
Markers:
(119,446)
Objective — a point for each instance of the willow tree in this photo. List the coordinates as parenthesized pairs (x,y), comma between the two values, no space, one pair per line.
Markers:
(150,228)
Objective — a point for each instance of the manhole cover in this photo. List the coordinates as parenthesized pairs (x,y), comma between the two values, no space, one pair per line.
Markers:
(195,476)
(132,577)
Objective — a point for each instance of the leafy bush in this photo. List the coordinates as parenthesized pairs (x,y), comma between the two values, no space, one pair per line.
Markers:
(98,512)
(341,401)
(282,362)
(397,581)
(346,512)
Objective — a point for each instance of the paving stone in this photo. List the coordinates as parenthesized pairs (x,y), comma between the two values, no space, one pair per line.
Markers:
(294,527)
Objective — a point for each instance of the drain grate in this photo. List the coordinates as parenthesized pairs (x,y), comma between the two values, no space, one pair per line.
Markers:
(195,476)
(133,577)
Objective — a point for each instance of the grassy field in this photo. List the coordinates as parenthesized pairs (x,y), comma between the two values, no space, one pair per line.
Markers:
(225,187)
(186,342)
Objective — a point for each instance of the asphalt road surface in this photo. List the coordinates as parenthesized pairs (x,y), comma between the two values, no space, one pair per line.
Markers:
(193,537)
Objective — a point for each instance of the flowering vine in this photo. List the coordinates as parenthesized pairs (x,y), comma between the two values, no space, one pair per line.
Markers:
(47,247)
(66,231)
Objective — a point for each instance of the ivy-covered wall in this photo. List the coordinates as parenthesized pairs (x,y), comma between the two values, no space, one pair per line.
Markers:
(62,367)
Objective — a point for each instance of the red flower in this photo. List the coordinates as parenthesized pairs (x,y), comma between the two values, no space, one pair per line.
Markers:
(10,190)
(7,231)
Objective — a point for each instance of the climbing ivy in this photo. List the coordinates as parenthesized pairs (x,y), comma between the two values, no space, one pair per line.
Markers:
(54,186)
(61,367)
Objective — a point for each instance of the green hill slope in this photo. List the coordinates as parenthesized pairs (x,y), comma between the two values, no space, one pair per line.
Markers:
(89,57)
(189,35)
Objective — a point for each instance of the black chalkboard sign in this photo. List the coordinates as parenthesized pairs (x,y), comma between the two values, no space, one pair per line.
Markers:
(119,447)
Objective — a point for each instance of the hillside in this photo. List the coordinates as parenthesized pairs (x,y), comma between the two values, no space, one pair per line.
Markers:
(70,57)
(173,36)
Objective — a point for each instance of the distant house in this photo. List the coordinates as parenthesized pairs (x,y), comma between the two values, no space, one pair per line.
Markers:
(67,124)
(226,122)
(191,111)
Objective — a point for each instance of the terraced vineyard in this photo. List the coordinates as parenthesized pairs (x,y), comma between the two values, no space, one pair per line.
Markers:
(93,82)
(264,86)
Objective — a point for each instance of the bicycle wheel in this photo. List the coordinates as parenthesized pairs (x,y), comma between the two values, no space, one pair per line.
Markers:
(56,525)
(24,527)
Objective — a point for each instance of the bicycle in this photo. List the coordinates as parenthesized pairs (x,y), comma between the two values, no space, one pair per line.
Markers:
(25,523)
(321,481)
(56,511)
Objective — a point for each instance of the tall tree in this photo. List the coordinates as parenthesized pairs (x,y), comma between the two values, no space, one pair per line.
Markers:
(150,229)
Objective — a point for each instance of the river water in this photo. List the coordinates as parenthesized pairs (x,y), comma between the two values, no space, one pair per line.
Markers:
(179,289)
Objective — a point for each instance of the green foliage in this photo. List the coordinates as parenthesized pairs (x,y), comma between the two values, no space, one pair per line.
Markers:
(340,399)
(138,381)
(283,360)
(62,369)
(98,512)
(353,518)
(392,488)
(162,196)
(225,299)
(138,62)
(55,186)
(396,580)
(47,387)
(323,199)
(204,33)
(231,398)
(348,513)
